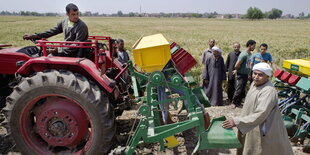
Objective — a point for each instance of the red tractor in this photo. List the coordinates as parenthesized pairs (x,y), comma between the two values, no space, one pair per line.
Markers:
(62,105)
(68,105)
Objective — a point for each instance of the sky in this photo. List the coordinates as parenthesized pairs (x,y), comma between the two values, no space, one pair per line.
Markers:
(156,6)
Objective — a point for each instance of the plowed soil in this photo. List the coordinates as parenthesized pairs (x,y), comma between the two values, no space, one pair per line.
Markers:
(187,139)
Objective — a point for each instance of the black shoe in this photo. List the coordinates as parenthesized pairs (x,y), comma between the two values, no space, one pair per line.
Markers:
(240,106)
(237,105)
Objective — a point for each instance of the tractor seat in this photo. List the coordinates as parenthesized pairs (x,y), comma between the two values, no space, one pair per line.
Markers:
(31,51)
(85,52)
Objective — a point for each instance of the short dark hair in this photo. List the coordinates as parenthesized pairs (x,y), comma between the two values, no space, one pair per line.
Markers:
(250,42)
(211,39)
(72,7)
(120,40)
(264,45)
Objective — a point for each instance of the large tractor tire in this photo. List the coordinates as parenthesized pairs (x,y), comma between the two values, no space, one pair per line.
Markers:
(58,112)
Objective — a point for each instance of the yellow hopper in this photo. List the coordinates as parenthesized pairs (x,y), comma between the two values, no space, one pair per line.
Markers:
(151,53)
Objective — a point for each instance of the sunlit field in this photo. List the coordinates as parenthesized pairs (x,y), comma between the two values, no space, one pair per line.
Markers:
(287,39)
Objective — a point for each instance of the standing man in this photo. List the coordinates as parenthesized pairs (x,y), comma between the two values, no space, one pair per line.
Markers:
(262,56)
(122,54)
(260,122)
(208,51)
(123,57)
(230,64)
(74,29)
(213,76)
(242,72)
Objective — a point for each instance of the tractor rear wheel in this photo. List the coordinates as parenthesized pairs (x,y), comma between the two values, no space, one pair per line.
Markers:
(58,112)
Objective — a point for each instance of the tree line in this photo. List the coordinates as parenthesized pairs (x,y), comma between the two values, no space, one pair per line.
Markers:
(256,13)
(252,13)
(28,13)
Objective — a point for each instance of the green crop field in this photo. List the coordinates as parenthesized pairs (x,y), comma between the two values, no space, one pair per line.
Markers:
(287,39)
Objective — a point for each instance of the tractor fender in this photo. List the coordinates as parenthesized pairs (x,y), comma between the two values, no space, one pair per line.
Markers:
(82,66)
(8,59)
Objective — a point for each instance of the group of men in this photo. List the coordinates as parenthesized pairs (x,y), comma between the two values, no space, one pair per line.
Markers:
(239,66)
(260,125)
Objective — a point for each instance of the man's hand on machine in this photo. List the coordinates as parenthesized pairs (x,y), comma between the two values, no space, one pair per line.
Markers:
(229,123)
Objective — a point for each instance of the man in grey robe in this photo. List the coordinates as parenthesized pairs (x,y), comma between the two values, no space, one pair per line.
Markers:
(213,75)
(73,27)
(260,123)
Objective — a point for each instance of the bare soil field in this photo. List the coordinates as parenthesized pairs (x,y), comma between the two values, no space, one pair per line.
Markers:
(187,140)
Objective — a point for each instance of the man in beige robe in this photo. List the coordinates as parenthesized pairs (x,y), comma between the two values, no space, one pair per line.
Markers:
(260,122)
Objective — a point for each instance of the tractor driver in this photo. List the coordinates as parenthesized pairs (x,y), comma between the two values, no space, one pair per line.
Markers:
(74,29)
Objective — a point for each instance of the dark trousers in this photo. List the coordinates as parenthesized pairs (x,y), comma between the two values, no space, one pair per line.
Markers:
(231,87)
(250,77)
(241,81)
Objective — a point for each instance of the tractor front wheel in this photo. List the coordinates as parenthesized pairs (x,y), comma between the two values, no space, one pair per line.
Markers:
(58,112)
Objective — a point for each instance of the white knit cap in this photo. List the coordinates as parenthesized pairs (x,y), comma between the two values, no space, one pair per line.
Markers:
(216,49)
(263,67)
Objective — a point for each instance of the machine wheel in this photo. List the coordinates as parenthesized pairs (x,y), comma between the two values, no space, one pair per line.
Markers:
(58,112)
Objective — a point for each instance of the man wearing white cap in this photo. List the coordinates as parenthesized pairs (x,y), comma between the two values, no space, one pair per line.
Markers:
(213,75)
(260,125)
